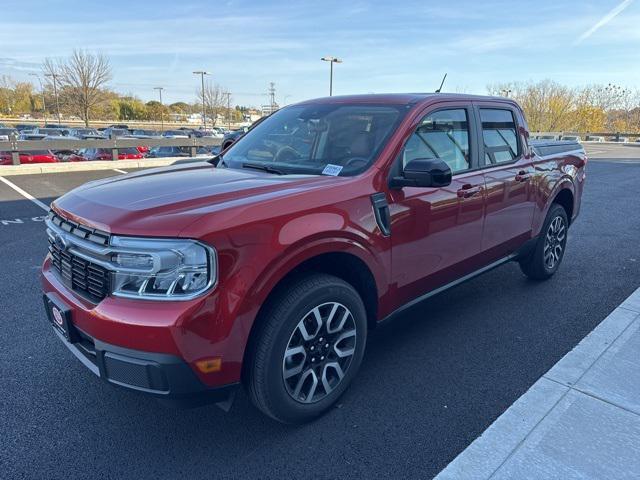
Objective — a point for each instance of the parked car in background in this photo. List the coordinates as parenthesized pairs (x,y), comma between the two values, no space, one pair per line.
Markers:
(269,269)
(595,138)
(571,138)
(119,126)
(25,135)
(142,133)
(24,126)
(56,125)
(176,133)
(85,133)
(546,137)
(35,156)
(162,152)
(230,138)
(127,153)
(115,132)
(6,133)
(619,139)
(206,133)
(47,131)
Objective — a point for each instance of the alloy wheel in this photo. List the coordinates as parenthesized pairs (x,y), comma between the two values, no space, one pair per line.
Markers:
(319,352)
(554,242)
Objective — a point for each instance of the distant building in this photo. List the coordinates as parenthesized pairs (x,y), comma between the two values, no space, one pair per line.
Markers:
(269,109)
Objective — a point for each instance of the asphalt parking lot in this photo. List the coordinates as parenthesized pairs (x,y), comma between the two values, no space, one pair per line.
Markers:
(431,381)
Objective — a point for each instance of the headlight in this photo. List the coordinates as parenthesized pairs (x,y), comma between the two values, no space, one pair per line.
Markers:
(158,269)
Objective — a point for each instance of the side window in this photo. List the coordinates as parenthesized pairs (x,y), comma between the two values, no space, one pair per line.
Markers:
(500,136)
(443,134)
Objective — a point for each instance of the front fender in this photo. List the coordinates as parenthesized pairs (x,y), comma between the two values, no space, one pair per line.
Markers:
(307,248)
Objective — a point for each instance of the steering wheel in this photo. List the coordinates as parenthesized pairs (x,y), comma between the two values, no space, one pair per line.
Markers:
(355,161)
(286,153)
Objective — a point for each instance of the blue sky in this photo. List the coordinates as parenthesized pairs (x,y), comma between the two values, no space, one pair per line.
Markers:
(386,46)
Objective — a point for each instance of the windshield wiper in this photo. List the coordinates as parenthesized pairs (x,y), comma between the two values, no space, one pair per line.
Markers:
(264,168)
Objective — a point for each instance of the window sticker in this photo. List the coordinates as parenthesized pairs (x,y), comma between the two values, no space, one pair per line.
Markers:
(333,170)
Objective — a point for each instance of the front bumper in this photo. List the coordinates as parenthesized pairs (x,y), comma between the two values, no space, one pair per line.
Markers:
(160,375)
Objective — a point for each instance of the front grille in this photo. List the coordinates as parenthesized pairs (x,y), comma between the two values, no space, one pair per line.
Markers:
(83,276)
(86,233)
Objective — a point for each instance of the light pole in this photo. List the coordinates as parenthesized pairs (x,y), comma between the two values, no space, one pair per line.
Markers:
(331,61)
(44,103)
(228,94)
(161,108)
(55,92)
(202,73)
(284,100)
(506,92)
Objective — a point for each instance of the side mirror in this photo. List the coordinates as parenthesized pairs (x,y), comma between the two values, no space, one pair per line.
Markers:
(424,172)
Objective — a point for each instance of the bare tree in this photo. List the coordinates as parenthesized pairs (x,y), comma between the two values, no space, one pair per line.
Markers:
(215,100)
(82,79)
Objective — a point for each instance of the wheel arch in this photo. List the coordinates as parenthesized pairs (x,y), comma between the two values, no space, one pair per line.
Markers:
(565,198)
(343,261)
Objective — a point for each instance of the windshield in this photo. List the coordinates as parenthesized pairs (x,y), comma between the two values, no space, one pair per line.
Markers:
(329,139)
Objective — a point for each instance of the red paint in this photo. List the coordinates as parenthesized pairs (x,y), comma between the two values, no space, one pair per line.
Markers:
(29,157)
(263,226)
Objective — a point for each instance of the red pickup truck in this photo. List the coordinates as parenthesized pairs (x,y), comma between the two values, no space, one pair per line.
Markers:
(267,265)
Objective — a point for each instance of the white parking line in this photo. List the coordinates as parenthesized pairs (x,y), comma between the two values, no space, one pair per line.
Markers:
(26,195)
(119,171)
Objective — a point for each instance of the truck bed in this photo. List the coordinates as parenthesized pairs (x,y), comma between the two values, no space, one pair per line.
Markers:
(544,148)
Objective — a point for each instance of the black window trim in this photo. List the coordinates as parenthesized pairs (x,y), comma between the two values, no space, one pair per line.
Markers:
(483,165)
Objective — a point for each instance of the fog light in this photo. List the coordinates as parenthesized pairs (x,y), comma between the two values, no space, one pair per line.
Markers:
(209,365)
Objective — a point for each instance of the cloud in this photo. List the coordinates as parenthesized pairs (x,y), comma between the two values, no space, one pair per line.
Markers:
(604,20)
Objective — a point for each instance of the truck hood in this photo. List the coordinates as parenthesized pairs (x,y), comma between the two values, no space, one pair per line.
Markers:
(164,201)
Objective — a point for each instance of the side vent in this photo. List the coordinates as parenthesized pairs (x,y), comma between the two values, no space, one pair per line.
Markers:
(381,212)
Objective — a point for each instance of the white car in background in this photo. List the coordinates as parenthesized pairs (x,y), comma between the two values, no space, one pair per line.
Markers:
(595,138)
(7,132)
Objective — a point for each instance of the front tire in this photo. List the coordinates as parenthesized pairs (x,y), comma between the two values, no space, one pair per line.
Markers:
(308,349)
(549,250)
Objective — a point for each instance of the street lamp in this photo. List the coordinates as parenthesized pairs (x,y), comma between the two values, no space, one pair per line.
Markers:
(161,108)
(202,73)
(228,94)
(55,92)
(505,92)
(44,103)
(284,99)
(331,61)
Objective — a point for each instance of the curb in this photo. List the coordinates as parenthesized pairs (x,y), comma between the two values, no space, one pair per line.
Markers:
(6,171)
(520,443)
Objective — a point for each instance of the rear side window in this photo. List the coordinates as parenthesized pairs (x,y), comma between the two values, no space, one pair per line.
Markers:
(443,134)
(500,136)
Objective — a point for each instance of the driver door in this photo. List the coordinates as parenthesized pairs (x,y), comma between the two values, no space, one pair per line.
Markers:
(437,232)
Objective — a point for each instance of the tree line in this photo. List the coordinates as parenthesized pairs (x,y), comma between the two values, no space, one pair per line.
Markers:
(553,107)
(81,83)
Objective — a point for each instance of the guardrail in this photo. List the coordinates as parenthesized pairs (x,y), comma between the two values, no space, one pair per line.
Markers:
(615,135)
(113,144)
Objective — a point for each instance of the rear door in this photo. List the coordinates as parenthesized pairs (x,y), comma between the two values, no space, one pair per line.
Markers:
(436,232)
(508,172)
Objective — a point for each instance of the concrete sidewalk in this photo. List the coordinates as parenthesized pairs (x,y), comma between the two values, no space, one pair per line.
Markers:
(581,420)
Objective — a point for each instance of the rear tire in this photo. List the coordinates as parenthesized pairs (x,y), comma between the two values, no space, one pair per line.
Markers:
(549,250)
(308,348)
